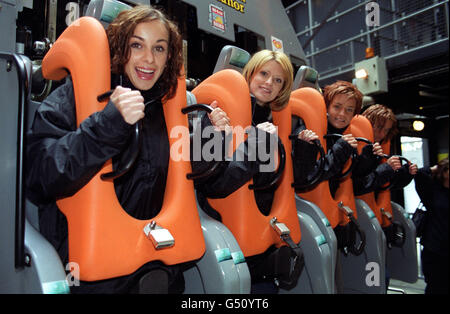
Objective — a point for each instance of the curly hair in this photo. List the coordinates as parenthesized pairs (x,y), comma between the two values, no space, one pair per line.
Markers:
(378,115)
(122,28)
(346,88)
(258,60)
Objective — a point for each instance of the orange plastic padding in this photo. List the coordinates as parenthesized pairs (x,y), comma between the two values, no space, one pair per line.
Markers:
(363,128)
(239,211)
(104,240)
(384,197)
(308,104)
(345,192)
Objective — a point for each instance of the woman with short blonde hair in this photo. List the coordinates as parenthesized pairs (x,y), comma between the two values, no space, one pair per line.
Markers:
(260,59)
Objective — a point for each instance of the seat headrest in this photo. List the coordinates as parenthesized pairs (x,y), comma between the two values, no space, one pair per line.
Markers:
(105,10)
(232,57)
(306,77)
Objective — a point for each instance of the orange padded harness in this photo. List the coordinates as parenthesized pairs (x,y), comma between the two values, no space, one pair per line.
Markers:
(103,239)
(239,211)
(308,104)
(363,128)
(384,197)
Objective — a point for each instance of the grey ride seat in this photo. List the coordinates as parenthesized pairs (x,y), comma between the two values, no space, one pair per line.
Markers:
(402,261)
(318,242)
(28,263)
(222,269)
(365,273)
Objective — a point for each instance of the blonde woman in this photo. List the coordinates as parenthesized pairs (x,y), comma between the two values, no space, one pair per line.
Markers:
(269,75)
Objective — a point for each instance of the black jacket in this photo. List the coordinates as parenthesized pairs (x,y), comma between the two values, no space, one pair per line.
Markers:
(369,175)
(234,172)
(62,158)
(434,197)
(304,157)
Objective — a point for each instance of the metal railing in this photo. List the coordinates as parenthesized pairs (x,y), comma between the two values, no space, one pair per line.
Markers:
(413,26)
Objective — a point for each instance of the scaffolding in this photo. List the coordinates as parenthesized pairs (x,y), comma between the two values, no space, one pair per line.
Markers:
(334,35)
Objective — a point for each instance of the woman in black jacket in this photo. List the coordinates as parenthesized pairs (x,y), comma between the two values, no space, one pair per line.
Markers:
(384,126)
(269,75)
(343,101)
(146,62)
(432,187)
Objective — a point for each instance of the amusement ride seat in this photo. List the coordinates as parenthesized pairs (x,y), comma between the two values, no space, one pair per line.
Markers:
(254,231)
(319,243)
(341,209)
(357,268)
(401,257)
(110,243)
(222,269)
(28,263)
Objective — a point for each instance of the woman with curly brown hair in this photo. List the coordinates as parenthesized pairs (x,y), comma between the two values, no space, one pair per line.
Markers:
(146,61)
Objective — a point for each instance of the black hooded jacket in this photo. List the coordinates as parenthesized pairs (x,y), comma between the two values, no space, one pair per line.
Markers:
(63,157)
(304,157)
(367,174)
(234,172)
(434,196)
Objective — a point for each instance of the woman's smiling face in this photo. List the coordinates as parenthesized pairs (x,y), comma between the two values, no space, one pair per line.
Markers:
(341,111)
(267,83)
(148,54)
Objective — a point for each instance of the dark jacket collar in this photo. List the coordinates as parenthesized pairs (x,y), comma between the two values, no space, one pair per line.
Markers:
(332,130)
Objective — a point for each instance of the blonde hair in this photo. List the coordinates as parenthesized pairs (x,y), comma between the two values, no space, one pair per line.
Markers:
(258,60)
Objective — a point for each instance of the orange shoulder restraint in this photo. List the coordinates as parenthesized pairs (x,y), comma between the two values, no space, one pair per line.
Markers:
(308,104)
(384,197)
(239,211)
(361,127)
(345,192)
(104,240)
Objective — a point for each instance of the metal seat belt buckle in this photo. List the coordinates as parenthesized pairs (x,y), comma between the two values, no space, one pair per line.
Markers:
(347,210)
(387,214)
(284,232)
(160,237)
(279,227)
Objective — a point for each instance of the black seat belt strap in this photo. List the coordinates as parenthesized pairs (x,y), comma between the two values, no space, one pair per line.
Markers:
(398,235)
(298,261)
(356,250)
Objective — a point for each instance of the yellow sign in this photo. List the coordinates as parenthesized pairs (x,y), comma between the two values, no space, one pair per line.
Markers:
(442,156)
(235,4)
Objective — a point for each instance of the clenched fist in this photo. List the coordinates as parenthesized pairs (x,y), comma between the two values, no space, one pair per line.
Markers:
(130,104)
